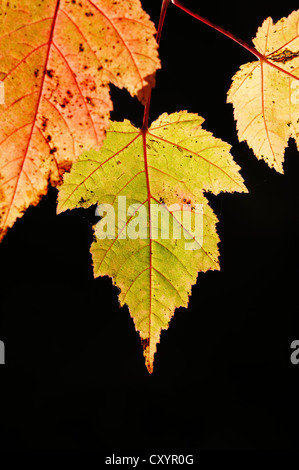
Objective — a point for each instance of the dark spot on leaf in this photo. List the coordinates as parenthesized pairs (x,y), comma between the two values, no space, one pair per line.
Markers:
(53,150)
(50,73)
(89,101)
(44,122)
(64,103)
(284,56)
(81,48)
(145,342)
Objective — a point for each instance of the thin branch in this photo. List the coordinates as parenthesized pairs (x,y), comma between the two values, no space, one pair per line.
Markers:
(219,28)
(165,5)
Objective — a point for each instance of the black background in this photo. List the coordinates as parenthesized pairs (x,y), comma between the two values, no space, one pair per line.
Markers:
(75,378)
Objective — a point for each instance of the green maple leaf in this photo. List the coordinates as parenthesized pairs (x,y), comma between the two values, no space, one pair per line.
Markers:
(166,168)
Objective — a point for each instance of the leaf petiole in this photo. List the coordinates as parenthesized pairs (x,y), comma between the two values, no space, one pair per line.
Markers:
(164,6)
(259,55)
(242,43)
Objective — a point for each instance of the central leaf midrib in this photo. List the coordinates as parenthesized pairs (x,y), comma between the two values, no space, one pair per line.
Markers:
(150,236)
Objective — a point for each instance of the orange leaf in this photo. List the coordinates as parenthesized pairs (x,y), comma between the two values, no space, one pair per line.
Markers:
(56,62)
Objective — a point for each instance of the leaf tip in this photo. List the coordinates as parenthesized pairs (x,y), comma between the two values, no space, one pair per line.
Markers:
(150,367)
(148,354)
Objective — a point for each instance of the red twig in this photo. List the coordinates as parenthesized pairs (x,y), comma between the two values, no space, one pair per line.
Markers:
(165,5)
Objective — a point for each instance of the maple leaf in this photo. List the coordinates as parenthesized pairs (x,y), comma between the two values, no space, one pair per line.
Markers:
(57,59)
(265,93)
(165,169)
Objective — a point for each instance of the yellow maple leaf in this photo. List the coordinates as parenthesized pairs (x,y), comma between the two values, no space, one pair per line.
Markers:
(265,93)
